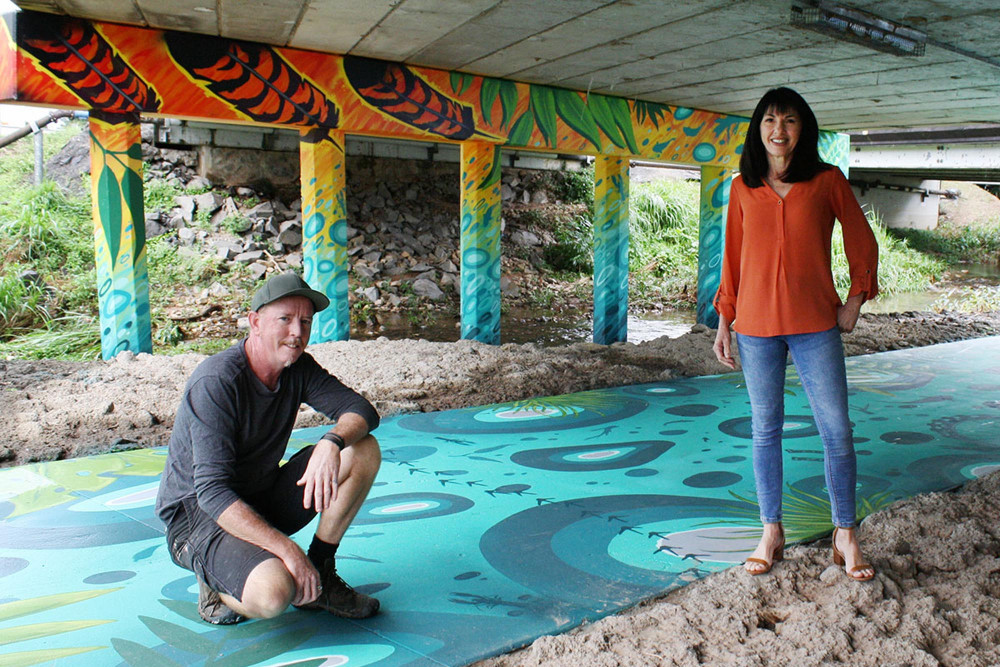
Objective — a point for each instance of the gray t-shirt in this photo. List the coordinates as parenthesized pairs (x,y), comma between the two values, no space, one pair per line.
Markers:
(231,431)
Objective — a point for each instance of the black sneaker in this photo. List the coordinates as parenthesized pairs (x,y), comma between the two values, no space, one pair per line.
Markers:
(338,598)
(212,609)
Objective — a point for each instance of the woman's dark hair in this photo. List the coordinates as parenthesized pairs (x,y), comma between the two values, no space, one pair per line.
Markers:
(805,161)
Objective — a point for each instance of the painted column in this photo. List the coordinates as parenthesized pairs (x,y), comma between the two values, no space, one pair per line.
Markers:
(119,233)
(610,250)
(715,182)
(324,229)
(480,242)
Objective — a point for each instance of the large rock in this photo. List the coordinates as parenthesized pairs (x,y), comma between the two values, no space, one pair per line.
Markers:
(187,206)
(427,288)
(70,165)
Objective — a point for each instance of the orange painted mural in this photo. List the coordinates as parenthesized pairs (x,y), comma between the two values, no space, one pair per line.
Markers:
(58,61)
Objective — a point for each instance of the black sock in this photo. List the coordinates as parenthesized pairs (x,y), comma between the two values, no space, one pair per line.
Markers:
(320,552)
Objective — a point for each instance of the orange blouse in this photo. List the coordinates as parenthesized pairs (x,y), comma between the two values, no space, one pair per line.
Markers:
(776,275)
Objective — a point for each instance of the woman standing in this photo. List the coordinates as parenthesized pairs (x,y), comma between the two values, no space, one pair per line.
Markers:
(777,293)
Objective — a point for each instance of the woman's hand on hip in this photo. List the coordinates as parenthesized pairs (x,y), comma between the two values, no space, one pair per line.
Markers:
(723,346)
(847,315)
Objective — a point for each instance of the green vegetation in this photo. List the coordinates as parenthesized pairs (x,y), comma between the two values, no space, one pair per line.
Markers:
(954,245)
(48,295)
(901,268)
(663,242)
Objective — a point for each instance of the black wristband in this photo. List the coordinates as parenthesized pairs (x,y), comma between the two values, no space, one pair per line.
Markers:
(335,439)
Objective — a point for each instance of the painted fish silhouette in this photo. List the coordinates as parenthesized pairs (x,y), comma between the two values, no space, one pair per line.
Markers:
(515,489)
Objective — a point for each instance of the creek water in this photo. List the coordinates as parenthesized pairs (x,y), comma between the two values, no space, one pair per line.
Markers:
(547,328)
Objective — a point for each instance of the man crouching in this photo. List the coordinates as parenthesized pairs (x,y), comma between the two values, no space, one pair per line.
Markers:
(228,503)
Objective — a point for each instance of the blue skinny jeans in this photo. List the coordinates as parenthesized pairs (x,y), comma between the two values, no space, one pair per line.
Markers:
(819,360)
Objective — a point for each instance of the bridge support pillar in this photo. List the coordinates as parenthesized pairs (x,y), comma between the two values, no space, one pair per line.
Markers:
(119,233)
(715,182)
(480,242)
(610,249)
(324,229)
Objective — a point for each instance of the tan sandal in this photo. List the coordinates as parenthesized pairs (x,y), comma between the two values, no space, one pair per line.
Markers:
(778,553)
(838,559)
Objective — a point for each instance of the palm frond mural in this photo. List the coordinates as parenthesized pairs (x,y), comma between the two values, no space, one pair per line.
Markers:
(806,516)
(247,644)
(565,405)
(21,608)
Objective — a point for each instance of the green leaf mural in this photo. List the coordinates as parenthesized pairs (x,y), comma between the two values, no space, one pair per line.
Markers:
(520,134)
(600,108)
(265,649)
(488,93)
(179,636)
(460,82)
(574,112)
(35,630)
(19,608)
(138,655)
(623,119)
(75,475)
(493,177)
(132,190)
(26,658)
(652,110)
(508,101)
(543,106)
(109,205)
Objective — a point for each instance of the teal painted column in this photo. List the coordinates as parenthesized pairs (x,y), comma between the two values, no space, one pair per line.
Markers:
(480,242)
(715,182)
(119,233)
(324,229)
(610,250)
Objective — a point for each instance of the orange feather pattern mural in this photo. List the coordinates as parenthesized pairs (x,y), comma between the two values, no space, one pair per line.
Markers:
(66,62)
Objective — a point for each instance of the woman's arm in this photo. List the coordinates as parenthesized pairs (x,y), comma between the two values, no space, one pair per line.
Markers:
(723,346)
(860,245)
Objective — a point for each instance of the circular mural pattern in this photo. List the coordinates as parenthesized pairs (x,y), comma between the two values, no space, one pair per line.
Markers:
(528,417)
(592,457)
(796,426)
(409,507)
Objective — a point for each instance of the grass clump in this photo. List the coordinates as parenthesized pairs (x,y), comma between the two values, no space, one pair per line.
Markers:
(900,267)
(663,242)
(955,245)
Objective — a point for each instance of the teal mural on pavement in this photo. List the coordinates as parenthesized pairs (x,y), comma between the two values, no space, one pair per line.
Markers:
(611,220)
(489,526)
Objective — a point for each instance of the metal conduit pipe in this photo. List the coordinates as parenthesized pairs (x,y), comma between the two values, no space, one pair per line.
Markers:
(33,127)
(865,186)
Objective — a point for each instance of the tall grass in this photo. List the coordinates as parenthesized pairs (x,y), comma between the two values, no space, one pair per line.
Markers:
(900,268)
(663,241)
(955,244)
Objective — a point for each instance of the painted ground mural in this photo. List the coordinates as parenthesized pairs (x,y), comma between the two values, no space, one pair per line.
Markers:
(488,527)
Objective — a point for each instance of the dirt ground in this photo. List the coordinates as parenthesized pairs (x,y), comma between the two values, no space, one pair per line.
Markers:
(933,602)
(61,409)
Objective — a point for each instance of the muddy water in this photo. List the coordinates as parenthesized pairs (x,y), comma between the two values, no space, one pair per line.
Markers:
(522,325)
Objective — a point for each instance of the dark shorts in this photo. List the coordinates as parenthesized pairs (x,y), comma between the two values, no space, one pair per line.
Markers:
(224,562)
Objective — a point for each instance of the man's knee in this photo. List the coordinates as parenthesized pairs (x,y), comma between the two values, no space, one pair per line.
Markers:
(368,454)
(268,590)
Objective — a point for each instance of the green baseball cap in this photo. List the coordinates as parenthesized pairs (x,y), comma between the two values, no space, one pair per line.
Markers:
(287,284)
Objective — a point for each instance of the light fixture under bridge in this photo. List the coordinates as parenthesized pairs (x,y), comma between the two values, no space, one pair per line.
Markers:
(860,27)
